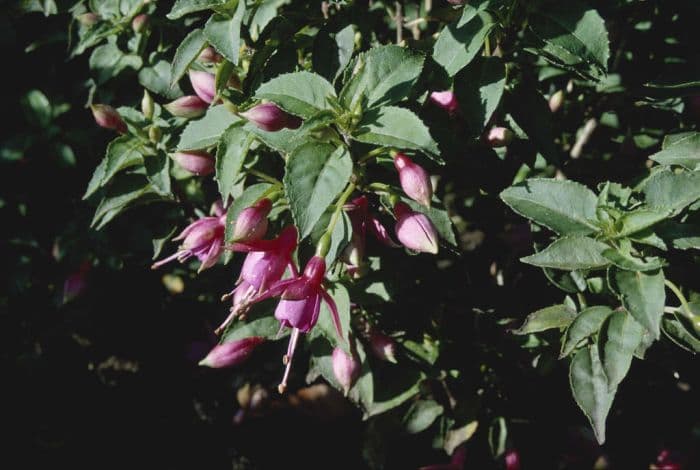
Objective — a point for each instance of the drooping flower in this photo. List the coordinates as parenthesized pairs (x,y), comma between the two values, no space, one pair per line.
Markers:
(346,368)
(189,107)
(382,346)
(270,117)
(415,181)
(204,85)
(197,162)
(415,230)
(231,353)
(445,100)
(203,238)
(251,223)
(108,117)
(499,136)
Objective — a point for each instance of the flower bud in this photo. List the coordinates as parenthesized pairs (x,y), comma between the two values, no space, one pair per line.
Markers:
(512,460)
(415,230)
(147,105)
(499,136)
(155,134)
(88,19)
(139,23)
(383,346)
(415,181)
(108,117)
(251,223)
(209,55)
(269,117)
(445,100)
(197,162)
(346,368)
(189,107)
(232,353)
(556,100)
(75,283)
(204,85)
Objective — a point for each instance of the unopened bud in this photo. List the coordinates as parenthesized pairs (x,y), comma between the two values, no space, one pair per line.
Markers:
(189,107)
(251,223)
(512,460)
(556,100)
(197,162)
(383,346)
(268,117)
(155,134)
(415,230)
(346,368)
(204,85)
(88,19)
(108,117)
(139,23)
(147,105)
(415,181)
(232,353)
(499,136)
(445,100)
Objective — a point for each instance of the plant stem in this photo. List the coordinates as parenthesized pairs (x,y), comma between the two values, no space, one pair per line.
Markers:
(264,177)
(684,303)
(324,243)
(372,154)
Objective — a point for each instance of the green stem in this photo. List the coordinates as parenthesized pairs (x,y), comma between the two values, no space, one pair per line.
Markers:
(324,243)
(264,177)
(684,303)
(581,300)
(371,154)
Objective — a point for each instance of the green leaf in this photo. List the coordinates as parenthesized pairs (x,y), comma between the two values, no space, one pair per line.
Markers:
(37,108)
(315,174)
(643,295)
(158,172)
(383,75)
(626,261)
(421,415)
(207,131)
(123,152)
(682,236)
(555,316)
(333,51)
(666,190)
(639,219)
(390,126)
(126,191)
(676,331)
(184,7)
(590,389)
(570,253)
(586,324)
(230,155)
(531,113)
(224,34)
(684,152)
(300,93)
(565,207)
(259,322)
(619,339)
(108,61)
(157,80)
(479,88)
(458,44)
(250,196)
(186,53)
(573,33)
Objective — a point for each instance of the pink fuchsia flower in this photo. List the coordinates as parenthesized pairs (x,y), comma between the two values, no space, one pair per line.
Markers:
(232,353)
(499,136)
(415,230)
(265,264)
(346,368)
(512,460)
(251,223)
(270,117)
(204,239)
(189,107)
(139,22)
(197,162)
(209,55)
(204,85)
(382,346)
(415,181)
(445,100)
(108,117)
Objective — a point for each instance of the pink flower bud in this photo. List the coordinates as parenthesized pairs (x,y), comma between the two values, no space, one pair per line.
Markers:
(445,100)
(197,162)
(139,23)
(251,223)
(415,181)
(75,283)
(346,368)
(499,136)
(232,353)
(204,85)
(512,460)
(268,117)
(415,230)
(383,346)
(209,55)
(556,100)
(108,117)
(189,107)
(89,19)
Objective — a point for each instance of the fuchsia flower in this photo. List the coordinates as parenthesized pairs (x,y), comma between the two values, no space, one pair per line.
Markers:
(204,85)
(346,368)
(499,136)
(204,239)
(415,230)
(232,353)
(108,117)
(270,117)
(415,181)
(197,162)
(251,223)
(512,460)
(75,283)
(189,107)
(445,100)
(382,346)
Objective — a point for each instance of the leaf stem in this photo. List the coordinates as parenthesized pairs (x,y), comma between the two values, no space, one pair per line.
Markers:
(324,243)
(372,154)
(679,295)
(264,176)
